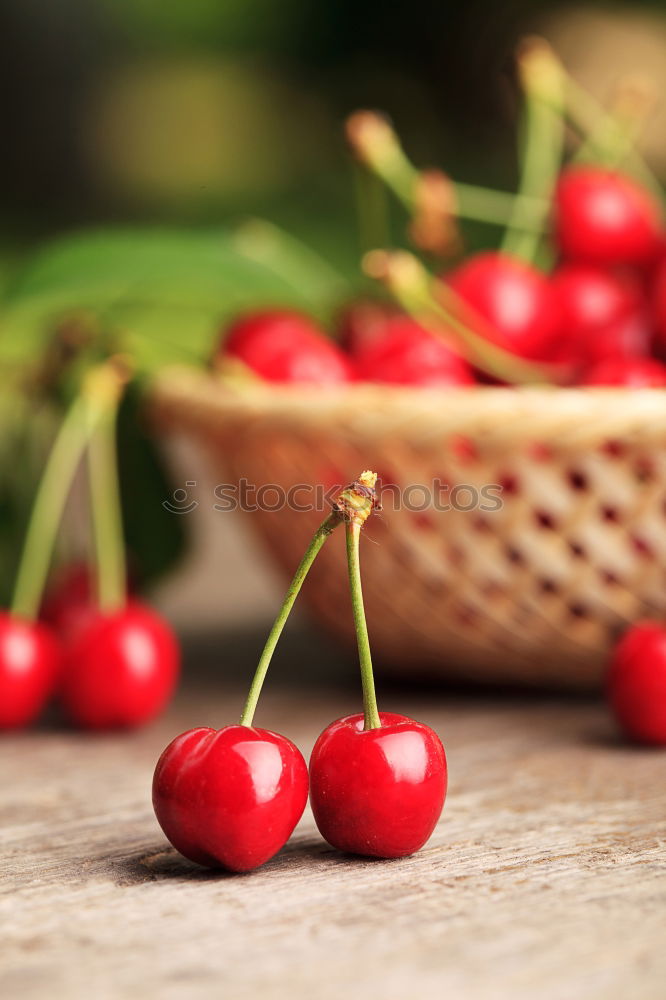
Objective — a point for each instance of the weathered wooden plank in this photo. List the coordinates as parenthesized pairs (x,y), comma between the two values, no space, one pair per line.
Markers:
(545,878)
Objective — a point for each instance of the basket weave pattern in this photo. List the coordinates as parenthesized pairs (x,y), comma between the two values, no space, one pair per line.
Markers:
(535,591)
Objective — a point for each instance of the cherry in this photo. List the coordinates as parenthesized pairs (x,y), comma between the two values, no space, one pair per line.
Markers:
(659,304)
(380,791)
(602,314)
(29,662)
(283,346)
(363,324)
(120,669)
(230,797)
(509,302)
(605,218)
(636,683)
(407,354)
(70,601)
(635,373)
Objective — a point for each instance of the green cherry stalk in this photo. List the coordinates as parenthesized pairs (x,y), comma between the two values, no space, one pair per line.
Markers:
(348,508)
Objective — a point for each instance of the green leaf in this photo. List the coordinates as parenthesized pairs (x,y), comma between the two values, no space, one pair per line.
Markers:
(164,293)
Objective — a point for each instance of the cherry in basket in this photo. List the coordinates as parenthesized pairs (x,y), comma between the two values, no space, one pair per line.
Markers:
(604,217)
(603,315)
(510,302)
(407,354)
(284,346)
(633,373)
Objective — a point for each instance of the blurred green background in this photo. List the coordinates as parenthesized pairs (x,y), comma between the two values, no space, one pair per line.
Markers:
(138,133)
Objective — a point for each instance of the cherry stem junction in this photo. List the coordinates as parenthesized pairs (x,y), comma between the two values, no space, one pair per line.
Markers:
(355,502)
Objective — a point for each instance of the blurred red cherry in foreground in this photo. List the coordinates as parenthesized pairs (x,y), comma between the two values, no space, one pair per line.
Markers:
(636,683)
(515,303)
(29,663)
(284,346)
(605,217)
(603,315)
(407,354)
(120,669)
(635,373)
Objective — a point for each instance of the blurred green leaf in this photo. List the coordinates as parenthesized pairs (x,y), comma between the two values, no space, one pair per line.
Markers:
(155,539)
(163,292)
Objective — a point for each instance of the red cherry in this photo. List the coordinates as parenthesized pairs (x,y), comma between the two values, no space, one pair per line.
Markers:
(604,217)
(636,683)
(29,661)
(509,302)
(659,304)
(230,797)
(283,346)
(365,323)
(120,669)
(70,601)
(602,315)
(377,792)
(635,373)
(409,355)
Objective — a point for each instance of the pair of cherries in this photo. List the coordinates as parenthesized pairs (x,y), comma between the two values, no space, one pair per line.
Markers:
(107,669)
(599,314)
(231,798)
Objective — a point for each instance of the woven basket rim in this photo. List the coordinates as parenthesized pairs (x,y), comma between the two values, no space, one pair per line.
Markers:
(498,412)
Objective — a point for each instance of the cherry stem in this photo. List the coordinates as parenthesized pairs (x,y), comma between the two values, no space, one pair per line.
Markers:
(378,147)
(542,144)
(319,537)
(590,119)
(353,532)
(615,131)
(63,461)
(371,209)
(106,505)
(438,311)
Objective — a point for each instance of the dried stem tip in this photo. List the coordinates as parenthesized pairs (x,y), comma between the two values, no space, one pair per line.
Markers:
(358,500)
(372,138)
(540,70)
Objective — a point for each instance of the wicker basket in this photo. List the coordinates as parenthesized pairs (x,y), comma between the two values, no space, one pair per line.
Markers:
(534,591)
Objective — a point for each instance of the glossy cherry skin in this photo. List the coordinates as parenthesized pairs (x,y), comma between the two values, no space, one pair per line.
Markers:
(377,792)
(636,683)
(603,315)
(284,346)
(604,217)
(407,354)
(230,797)
(509,302)
(635,373)
(29,665)
(120,669)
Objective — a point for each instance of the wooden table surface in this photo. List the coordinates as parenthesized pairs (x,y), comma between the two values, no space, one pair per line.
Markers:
(545,879)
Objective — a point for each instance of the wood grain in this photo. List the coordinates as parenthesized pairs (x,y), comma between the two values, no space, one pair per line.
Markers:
(546,877)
